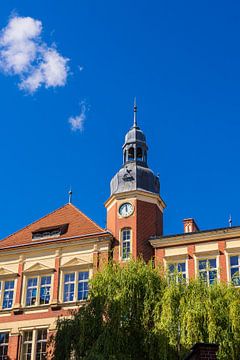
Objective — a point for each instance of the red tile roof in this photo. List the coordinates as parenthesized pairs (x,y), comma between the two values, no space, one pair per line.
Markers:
(78,225)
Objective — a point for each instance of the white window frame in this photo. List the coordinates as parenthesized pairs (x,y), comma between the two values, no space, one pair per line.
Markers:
(174,262)
(228,261)
(31,276)
(5,344)
(33,342)
(2,286)
(66,271)
(121,244)
(206,257)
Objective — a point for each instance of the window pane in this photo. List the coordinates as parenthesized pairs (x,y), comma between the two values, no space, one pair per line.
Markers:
(27,345)
(212,276)
(45,280)
(235,276)
(4,337)
(126,243)
(171,268)
(203,275)
(8,294)
(234,260)
(83,277)
(202,264)
(41,344)
(31,296)
(182,267)
(69,286)
(212,263)
(27,336)
(45,290)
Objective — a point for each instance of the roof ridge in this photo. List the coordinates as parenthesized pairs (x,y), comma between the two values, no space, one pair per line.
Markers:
(87,217)
(34,222)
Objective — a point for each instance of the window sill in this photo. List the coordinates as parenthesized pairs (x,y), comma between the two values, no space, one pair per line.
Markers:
(36,307)
(74,303)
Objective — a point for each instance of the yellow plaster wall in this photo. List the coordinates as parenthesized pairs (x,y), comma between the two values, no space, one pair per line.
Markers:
(207,247)
(231,244)
(176,251)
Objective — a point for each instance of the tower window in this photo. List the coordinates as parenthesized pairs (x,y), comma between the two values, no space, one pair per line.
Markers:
(131,154)
(126,237)
(139,154)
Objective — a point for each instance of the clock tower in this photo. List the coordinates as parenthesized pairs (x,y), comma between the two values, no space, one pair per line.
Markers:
(135,208)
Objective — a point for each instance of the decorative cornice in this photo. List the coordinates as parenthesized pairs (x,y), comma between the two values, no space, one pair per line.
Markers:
(135,194)
(38,268)
(7,273)
(61,242)
(194,238)
(76,262)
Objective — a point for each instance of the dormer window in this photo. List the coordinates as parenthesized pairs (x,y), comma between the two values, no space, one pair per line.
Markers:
(50,232)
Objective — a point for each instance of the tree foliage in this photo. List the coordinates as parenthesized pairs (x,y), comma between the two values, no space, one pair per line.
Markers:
(136,312)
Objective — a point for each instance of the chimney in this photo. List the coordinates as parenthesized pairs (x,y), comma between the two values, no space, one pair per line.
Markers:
(202,351)
(190,226)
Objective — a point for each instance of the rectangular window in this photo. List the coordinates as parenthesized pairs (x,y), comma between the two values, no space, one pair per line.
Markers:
(41,346)
(7,293)
(38,290)
(45,289)
(83,285)
(4,337)
(75,286)
(177,271)
(126,243)
(69,287)
(208,270)
(34,342)
(31,298)
(235,269)
(27,345)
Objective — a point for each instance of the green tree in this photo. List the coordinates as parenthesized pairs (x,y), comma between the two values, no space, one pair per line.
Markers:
(136,312)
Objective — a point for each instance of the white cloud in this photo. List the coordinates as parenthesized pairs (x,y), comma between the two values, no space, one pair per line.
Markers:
(77,122)
(23,53)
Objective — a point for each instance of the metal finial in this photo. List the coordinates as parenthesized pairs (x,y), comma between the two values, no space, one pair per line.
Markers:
(70,196)
(230,220)
(135,113)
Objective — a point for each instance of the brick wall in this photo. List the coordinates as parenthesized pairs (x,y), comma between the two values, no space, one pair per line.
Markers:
(149,223)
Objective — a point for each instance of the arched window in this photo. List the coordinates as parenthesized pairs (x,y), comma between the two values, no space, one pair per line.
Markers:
(139,154)
(131,154)
(126,237)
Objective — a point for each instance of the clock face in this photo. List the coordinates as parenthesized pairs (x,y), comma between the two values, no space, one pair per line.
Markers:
(126,209)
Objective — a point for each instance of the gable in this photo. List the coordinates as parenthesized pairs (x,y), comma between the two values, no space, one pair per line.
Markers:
(38,267)
(68,217)
(75,262)
(5,272)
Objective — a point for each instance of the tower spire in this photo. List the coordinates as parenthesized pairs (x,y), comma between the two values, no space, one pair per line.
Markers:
(135,113)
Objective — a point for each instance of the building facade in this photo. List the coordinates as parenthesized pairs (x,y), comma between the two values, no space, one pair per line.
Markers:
(46,266)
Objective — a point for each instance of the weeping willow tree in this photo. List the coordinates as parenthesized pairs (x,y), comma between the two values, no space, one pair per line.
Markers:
(134,312)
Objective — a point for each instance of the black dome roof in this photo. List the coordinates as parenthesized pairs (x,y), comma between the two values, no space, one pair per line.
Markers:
(135,134)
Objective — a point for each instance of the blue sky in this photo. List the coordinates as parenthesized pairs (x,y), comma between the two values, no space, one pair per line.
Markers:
(182,62)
